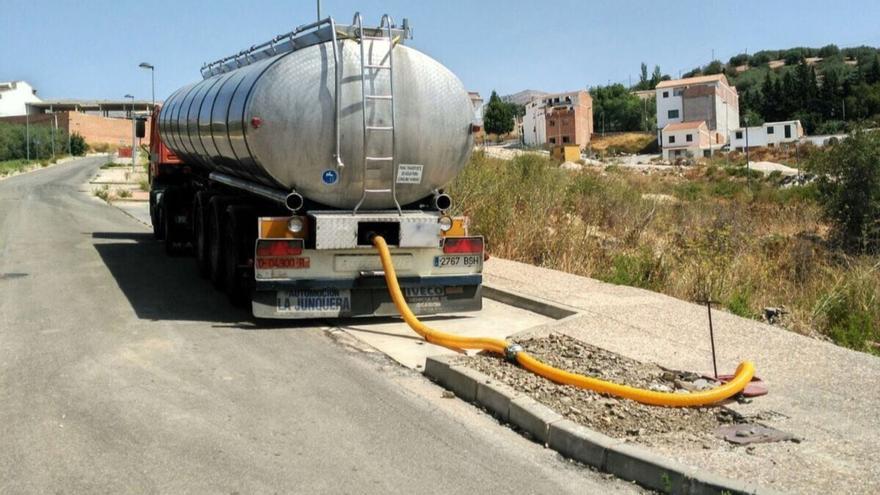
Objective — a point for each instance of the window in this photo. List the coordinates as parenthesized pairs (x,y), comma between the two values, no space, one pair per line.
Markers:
(672,114)
(739,134)
(671,139)
(770,130)
(565,139)
(787,131)
(666,94)
(552,123)
(552,140)
(677,91)
(689,138)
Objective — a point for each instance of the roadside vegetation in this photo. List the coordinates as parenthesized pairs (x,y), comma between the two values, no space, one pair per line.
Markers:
(14,151)
(695,233)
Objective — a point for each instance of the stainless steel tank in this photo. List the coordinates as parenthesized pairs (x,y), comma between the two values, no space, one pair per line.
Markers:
(274,122)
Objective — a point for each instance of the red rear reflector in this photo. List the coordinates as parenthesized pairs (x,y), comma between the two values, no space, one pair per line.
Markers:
(462,245)
(293,247)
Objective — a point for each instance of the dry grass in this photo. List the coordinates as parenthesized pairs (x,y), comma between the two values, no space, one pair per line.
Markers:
(693,235)
(627,142)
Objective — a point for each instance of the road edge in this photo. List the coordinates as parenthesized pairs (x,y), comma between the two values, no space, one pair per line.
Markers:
(625,460)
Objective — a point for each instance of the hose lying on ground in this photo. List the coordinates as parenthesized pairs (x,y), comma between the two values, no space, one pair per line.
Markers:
(744,372)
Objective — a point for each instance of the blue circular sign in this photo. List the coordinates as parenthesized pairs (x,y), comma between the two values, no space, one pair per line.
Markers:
(329,177)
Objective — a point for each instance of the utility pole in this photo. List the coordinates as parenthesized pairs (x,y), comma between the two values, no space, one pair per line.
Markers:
(54,128)
(748,161)
(27,130)
(319,10)
(133,137)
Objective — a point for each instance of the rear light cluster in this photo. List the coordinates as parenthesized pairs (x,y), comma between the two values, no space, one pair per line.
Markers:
(275,248)
(463,245)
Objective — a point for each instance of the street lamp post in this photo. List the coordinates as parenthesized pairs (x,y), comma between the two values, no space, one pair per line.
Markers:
(133,136)
(145,65)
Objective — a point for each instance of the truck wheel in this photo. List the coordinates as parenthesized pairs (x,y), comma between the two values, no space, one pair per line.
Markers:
(236,257)
(215,241)
(175,239)
(201,233)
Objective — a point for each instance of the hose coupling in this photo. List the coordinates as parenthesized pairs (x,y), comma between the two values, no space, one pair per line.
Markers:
(511,351)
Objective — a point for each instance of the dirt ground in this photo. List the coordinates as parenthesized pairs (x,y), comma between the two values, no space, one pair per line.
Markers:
(619,418)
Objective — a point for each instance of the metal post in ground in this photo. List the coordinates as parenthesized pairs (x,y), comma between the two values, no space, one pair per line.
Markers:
(712,337)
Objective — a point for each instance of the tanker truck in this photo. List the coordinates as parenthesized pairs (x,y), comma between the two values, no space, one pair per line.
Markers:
(278,168)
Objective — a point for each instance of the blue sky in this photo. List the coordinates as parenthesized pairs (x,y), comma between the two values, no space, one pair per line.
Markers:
(91,48)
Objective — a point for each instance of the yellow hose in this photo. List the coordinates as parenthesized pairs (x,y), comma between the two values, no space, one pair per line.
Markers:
(744,372)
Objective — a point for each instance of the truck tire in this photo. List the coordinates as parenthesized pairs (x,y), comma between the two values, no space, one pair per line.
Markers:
(216,231)
(238,261)
(201,233)
(174,234)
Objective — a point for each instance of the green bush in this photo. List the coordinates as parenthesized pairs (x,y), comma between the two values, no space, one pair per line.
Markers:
(640,269)
(849,187)
(848,313)
(740,303)
(78,146)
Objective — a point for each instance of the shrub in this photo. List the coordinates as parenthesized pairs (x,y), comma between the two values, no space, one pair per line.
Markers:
(78,146)
(849,186)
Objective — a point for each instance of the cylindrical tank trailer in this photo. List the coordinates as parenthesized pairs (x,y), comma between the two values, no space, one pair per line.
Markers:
(273,122)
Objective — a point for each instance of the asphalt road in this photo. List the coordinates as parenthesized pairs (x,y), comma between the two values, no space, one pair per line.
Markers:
(122,371)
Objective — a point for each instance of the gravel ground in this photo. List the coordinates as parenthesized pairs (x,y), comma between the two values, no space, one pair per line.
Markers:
(618,418)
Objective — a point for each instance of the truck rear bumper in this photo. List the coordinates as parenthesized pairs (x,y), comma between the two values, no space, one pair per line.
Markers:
(365,296)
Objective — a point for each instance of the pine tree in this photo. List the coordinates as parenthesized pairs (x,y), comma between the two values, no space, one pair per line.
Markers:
(872,75)
(498,118)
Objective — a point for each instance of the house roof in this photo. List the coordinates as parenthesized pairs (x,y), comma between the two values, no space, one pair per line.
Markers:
(692,80)
(683,126)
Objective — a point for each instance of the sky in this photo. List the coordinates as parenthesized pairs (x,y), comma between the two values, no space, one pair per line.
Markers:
(92,48)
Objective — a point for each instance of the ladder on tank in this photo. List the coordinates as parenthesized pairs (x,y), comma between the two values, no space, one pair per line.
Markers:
(386,63)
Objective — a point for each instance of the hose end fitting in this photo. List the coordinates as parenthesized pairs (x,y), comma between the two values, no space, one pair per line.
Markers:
(511,351)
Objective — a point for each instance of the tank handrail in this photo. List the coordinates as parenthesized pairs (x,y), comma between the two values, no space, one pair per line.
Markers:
(221,65)
(299,30)
(336,69)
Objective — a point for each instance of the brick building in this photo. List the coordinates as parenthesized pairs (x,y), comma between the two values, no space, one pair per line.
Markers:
(559,119)
(95,129)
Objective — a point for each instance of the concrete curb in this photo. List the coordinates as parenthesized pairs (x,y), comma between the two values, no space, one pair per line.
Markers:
(625,460)
(541,307)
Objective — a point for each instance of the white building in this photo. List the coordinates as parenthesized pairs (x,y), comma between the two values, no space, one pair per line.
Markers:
(770,134)
(708,99)
(14,96)
(567,117)
(534,124)
(477,102)
(686,140)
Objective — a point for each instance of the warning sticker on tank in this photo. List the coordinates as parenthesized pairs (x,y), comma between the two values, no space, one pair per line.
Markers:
(408,173)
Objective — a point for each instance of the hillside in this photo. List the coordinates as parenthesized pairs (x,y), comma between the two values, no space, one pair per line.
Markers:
(827,88)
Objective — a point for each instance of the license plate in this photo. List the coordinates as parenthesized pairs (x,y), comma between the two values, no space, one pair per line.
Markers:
(467,260)
(314,302)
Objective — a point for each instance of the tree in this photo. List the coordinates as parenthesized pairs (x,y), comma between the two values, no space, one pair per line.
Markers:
(656,76)
(498,117)
(622,110)
(714,67)
(872,74)
(849,187)
(78,146)
(737,60)
(828,51)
